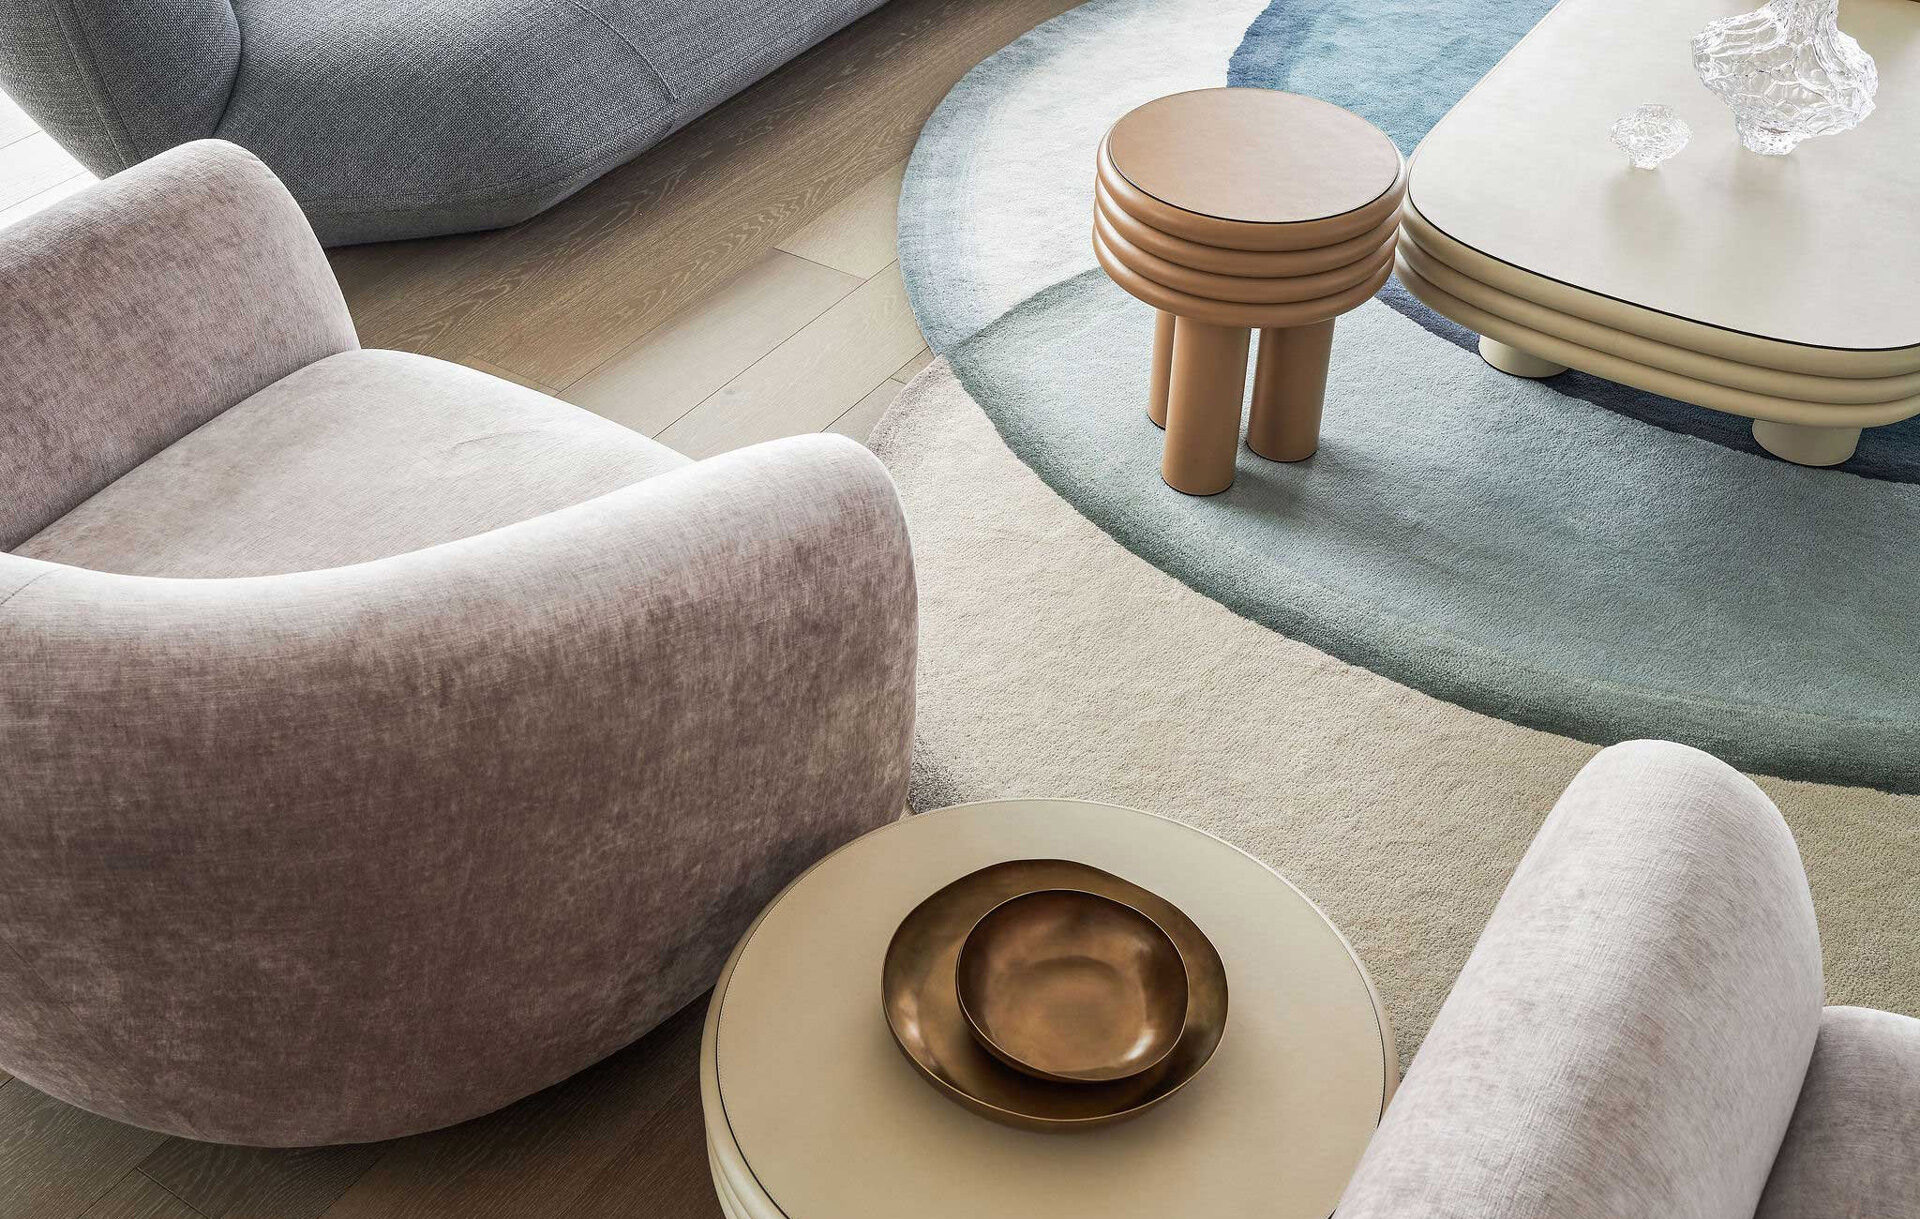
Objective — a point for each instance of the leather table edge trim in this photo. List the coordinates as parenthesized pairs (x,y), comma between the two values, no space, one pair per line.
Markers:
(1699,366)
(1707,338)
(1241,289)
(1268,235)
(1222,260)
(1225,313)
(1627,371)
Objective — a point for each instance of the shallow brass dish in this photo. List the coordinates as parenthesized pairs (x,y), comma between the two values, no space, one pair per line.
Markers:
(922,1007)
(1072,986)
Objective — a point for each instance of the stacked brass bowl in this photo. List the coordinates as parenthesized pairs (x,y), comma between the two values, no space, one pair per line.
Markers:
(1232,210)
(1050,995)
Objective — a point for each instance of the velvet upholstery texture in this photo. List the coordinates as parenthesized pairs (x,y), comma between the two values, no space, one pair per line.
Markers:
(1853,1148)
(355,457)
(407,119)
(397,837)
(141,308)
(1639,1030)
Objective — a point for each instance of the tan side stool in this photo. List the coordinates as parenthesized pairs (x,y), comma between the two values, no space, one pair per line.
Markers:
(1230,210)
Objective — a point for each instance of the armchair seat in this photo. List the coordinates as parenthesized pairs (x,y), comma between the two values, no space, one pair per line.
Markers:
(358,456)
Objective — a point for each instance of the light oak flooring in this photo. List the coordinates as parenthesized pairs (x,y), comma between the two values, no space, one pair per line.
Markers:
(35,172)
(736,284)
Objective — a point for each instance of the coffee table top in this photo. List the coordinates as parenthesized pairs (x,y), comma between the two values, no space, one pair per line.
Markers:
(1818,248)
(813,1112)
(1257,156)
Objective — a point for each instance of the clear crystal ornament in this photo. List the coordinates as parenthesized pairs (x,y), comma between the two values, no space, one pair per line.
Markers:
(1787,73)
(1650,135)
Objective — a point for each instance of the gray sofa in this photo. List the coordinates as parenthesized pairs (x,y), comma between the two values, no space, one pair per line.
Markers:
(1639,1032)
(397,118)
(381,741)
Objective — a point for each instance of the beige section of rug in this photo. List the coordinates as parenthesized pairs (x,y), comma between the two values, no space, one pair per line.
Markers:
(1054,662)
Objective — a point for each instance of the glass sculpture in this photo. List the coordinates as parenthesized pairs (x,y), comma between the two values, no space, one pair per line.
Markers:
(1650,135)
(1787,73)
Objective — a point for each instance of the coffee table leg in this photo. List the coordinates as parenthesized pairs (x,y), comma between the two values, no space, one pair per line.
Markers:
(1804,445)
(1162,367)
(1289,389)
(1517,363)
(1208,380)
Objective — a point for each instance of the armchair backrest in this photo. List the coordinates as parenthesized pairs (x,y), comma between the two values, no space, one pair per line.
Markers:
(139,309)
(1630,1035)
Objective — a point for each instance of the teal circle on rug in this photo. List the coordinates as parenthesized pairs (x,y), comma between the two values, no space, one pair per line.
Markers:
(1567,555)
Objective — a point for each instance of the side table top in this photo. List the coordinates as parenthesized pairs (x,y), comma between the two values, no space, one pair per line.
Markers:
(814,1113)
(1817,248)
(1257,156)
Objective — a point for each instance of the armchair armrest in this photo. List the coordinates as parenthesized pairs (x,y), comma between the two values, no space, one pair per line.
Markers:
(382,847)
(141,308)
(1630,1035)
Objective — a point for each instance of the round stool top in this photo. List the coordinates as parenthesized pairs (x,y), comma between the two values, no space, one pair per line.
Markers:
(813,1113)
(1255,156)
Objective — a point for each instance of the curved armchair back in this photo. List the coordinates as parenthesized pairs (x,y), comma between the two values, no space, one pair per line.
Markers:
(134,312)
(348,854)
(1631,1033)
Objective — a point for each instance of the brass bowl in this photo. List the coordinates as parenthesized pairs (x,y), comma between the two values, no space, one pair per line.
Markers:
(1072,986)
(922,1006)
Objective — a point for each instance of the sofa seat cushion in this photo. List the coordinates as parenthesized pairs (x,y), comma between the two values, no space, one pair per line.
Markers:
(396,120)
(355,457)
(707,52)
(1853,1149)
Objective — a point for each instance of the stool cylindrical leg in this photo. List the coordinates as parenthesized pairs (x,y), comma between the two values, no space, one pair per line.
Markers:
(1162,367)
(1208,380)
(1289,387)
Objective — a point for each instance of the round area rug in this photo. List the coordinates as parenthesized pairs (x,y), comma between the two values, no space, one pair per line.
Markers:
(1569,554)
(1376,669)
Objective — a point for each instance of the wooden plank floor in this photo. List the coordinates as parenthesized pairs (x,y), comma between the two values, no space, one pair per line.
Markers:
(736,284)
(35,172)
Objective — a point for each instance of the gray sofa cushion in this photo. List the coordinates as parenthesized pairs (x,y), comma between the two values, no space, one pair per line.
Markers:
(392,119)
(119,81)
(359,456)
(706,51)
(1853,1150)
(398,118)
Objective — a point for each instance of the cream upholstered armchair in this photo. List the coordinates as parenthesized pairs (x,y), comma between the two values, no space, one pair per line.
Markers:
(381,741)
(1639,1031)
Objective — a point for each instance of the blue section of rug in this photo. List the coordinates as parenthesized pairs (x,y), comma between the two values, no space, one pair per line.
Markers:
(1402,64)
(1532,550)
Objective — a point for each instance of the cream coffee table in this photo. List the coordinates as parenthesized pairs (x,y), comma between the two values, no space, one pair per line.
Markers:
(1786,289)
(813,1112)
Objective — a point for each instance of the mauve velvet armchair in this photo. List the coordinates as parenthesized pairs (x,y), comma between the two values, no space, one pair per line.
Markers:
(381,741)
(1639,1031)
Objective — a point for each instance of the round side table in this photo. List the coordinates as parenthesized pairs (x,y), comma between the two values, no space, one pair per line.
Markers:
(1231,210)
(813,1112)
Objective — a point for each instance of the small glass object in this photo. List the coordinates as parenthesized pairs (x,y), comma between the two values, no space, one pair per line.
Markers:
(1650,135)
(1787,73)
